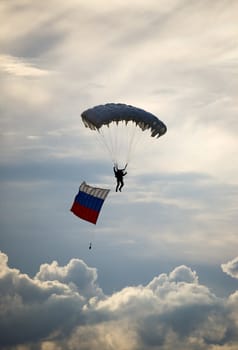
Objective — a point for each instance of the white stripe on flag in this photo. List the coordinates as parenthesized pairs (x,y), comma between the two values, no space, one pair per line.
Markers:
(94,191)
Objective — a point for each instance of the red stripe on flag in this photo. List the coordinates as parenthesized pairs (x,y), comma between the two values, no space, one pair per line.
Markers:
(84,212)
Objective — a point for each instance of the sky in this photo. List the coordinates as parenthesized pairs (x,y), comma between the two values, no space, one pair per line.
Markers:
(163,270)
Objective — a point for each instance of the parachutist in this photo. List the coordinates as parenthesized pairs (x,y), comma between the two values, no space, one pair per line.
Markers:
(119,174)
(90,246)
(117,125)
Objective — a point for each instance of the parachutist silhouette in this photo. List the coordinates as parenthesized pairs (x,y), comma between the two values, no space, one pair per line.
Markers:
(119,174)
(90,246)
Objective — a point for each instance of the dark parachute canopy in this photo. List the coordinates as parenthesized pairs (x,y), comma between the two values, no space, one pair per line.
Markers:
(120,127)
(96,117)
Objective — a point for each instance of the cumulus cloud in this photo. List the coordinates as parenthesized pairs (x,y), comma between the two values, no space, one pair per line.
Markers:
(62,307)
(47,305)
(76,272)
(231,267)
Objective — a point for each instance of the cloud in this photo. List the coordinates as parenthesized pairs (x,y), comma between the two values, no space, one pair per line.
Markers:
(115,63)
(18,67)
(62,307)
(231,267)
(35,308)
(59,58)
(76,272)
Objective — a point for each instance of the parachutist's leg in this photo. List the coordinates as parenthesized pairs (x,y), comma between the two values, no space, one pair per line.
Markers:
(118,183)
(122,184)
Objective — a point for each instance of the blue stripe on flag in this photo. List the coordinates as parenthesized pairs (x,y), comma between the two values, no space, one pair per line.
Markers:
(89,201)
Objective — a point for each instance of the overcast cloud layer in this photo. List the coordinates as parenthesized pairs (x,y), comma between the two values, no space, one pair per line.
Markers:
(177,213)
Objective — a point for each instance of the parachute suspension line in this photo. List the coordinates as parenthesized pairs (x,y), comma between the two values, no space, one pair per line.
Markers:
(112,137)
(114,140)
(133,135)
(136,138)
(131,141)
(120,140)
(101,138)
(108,136)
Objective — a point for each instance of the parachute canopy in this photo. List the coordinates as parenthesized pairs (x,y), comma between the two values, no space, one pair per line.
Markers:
(96,117)
(120,128)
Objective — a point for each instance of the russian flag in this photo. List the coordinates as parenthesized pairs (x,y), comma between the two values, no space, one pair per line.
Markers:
(88,202)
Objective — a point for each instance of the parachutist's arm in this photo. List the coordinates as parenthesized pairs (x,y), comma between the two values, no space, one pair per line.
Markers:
(115,170)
